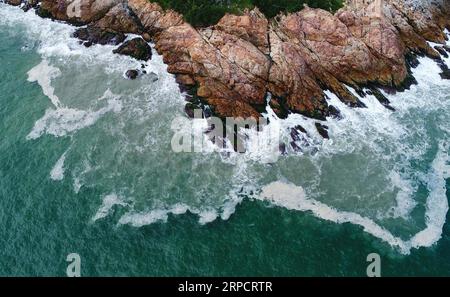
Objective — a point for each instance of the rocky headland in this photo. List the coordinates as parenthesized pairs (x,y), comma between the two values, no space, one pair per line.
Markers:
(233,66)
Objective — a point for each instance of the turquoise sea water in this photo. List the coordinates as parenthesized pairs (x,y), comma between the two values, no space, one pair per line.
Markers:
(86,167)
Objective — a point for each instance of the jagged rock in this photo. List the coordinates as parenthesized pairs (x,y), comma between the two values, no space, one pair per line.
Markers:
(412,60)
(95,35)
(153,17)
(251,26)
(120,19)
(132,74)
(442,51)
(445,74)
(136,48)
(338,51)
(232,108)
(396,13)
(295,135)
(301,129)
(13,2)
(382,40)
(381,98)
(334,112)
(310,51)
(279,108)
(445,70)
(185,80)
(291,78)
(153,76)
(190,109)
(295,146)
(427,19)
(323,130)
(76,11)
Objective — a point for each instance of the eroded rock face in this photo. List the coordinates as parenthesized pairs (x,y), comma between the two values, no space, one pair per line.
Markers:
(136,48)
(292,81)
(96,35)
(225,67)
(120,19)
(335,48)
(383,42)
(252,26)
(14,2)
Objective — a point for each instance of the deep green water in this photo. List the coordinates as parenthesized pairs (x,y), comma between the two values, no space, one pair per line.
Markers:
(114,201)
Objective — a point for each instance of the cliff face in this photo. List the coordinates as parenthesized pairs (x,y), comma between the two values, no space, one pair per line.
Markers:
(233,65)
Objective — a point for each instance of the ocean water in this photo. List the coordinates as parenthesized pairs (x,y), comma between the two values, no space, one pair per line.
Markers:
(86,166)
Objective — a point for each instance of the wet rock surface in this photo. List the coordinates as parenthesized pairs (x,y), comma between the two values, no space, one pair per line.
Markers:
(137,48)
(95,35)
(132,74)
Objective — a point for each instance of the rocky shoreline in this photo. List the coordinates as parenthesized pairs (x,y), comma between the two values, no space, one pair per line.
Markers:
(231,67)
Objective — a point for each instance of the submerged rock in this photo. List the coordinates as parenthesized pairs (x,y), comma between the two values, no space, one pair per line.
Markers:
(445,74)
(442,51)
(323,130)
(137,48)
(132,74)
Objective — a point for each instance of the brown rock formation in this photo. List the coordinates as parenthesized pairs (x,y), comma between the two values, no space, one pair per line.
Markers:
(224,66)
(153,17)
(233,65)
(77,11)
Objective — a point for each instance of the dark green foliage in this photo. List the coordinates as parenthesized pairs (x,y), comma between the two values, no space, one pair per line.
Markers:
(273,7)
(208,12)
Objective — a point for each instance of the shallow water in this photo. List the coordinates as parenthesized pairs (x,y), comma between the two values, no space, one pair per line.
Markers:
(86,166)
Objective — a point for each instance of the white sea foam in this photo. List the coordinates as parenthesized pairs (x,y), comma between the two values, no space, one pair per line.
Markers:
(293,197)
(205,216)
(404,198)
(57,173)
(62,121)
(437,203)
(109,201)
(43,75)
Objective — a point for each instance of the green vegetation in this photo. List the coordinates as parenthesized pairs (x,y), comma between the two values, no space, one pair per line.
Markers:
(208,12)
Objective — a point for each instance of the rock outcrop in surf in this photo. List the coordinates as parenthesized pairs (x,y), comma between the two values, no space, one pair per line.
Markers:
(233,65)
